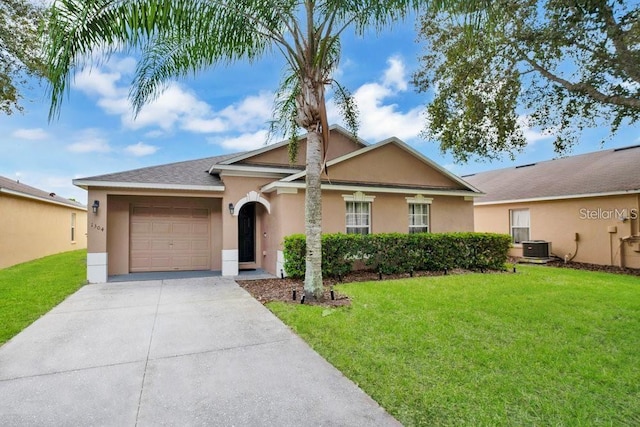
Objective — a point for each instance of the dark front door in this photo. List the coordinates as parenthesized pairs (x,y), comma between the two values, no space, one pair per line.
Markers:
(247,233)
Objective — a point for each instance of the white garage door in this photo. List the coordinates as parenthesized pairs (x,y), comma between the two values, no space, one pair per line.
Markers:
(168,238)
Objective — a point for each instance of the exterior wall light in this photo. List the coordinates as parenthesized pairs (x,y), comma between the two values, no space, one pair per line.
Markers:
(231,208)
(95,206)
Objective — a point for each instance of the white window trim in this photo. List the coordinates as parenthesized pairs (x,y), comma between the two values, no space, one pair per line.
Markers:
(424,227)
(358,197)
(74,228)
(419,199)
(511,226)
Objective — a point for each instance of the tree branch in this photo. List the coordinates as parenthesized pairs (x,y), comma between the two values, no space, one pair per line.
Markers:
(585,88)
(627,61)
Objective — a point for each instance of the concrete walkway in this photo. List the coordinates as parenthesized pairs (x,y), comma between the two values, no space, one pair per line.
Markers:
(197,351)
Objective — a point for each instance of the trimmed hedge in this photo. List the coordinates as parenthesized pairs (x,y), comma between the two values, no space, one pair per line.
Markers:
(391,253)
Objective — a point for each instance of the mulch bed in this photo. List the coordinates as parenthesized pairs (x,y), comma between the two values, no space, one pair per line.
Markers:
(595,267)
(267,290)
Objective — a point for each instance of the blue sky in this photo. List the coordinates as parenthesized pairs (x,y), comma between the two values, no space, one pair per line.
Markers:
(224,110)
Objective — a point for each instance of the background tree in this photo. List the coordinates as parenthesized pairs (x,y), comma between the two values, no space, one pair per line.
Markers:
(176,38)
(569,64)
(20,54)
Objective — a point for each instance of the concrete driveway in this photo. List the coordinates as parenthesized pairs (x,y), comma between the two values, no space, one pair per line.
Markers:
(197,351)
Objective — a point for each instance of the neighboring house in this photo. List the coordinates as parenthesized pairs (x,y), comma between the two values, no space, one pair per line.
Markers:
(232,212)
(36,223)
(587,206)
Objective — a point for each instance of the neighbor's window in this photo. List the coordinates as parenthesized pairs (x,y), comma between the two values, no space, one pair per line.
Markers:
(520,224)
(73,227)
(358,217)
(418,218)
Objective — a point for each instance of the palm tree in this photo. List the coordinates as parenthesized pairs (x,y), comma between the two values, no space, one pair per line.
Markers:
(176,38)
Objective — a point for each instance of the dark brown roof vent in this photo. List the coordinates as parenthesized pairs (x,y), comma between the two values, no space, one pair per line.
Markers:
(52,194)
(626,148)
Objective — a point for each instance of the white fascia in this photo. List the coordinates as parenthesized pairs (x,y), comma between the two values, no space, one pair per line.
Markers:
(370,189)
(252,171)
(148,186)
(41,199)
(551,198)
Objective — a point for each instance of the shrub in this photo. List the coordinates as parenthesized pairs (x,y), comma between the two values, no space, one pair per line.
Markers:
(392,253)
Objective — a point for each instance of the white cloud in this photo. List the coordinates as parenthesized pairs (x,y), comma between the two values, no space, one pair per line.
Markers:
(141,149)
(379,119)
(244,142)
(250,112)
(176,107)
(531,135)
(154,134)
(89,141)
(394,76)
(200,125)
(30,134)
(92,81)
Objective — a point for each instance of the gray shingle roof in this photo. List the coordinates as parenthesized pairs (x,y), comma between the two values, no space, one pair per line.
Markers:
(608,171)
(18,187)
(190,172)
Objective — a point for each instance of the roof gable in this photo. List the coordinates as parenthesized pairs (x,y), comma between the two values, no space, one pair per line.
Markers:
(277,155)
(598,173)
(390,162)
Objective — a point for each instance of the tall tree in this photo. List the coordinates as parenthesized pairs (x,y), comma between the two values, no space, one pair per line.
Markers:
(178,37)
(561,65)
(20,53)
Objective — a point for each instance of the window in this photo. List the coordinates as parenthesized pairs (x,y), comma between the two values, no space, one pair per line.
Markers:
(418,218)
(358,218)
(73,227)
(419,213)
(358,213)
(520,224)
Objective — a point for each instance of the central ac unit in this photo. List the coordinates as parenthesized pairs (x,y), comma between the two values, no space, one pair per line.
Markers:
(536,249)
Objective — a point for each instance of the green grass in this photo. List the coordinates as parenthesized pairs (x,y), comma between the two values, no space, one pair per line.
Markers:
(541,347)
(29,290)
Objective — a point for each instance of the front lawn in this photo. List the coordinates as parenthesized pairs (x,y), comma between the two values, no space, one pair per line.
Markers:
(544,346)
(29,290)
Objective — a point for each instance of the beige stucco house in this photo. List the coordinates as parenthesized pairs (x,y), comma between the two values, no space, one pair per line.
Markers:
(232,212)
(587,206)
(35,223)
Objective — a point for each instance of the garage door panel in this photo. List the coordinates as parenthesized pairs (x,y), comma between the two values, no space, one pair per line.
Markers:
(169,238)
(200,228)
(201,261)
(160,263)
(142,211)
(140,227)
(140,245)
(160,245)
(158,227)
(200,213)
(162,211)
(181,245)
(181,213)
(140,263)
(181,228)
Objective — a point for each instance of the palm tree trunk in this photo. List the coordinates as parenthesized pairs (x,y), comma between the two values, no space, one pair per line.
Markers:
(309,117)
(313,218)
